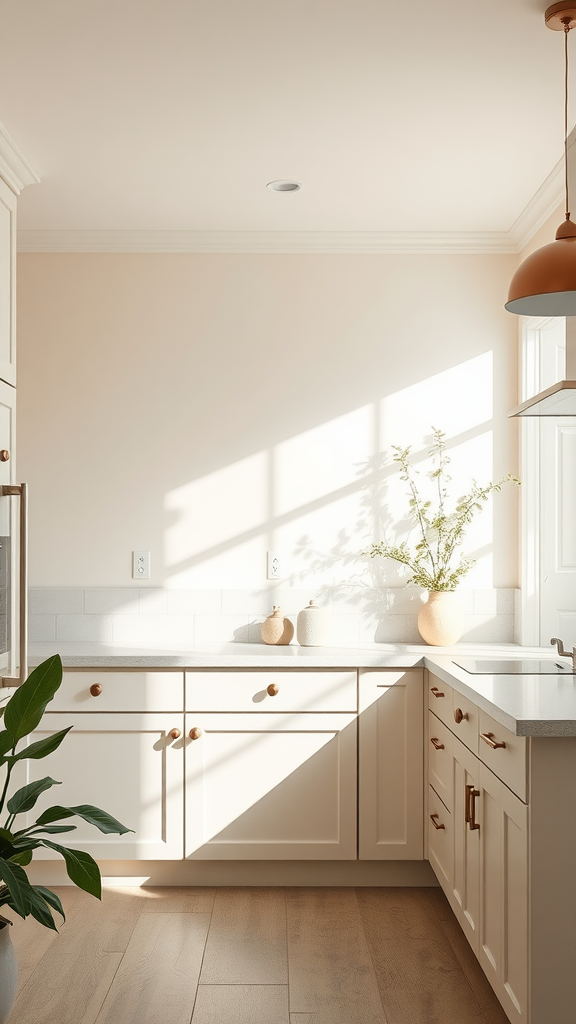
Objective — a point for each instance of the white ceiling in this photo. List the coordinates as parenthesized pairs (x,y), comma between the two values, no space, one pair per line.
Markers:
(172,115)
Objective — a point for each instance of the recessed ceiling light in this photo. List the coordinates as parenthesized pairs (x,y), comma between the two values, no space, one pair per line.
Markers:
(284,186)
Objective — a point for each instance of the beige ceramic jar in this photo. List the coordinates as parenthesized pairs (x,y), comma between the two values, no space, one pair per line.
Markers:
(441,619)
(276,629)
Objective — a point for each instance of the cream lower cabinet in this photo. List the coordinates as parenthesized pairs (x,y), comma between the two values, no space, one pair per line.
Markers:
(127,764)
(478,847)
(390,765)
(271,786)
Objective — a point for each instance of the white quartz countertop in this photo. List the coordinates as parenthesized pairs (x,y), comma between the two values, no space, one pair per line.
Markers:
(528,705)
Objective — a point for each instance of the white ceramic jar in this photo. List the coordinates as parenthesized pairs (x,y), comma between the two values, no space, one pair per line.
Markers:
(276,629)
(312,626)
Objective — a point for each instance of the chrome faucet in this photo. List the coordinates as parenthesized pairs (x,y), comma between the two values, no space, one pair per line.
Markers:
(563,653)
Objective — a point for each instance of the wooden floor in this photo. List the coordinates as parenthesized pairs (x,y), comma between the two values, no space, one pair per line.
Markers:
(251,956)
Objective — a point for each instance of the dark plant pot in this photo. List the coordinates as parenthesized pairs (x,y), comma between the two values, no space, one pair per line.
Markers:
(8,971)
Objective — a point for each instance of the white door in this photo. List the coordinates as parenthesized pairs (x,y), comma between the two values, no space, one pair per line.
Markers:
(391,769)
(557,500)
(126,764)
(9,539)
(271,787)
(7,284)
(466,889)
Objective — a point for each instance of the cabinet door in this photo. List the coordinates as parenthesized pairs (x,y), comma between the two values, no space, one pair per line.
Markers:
(7,284)
(465,899)
(275,787)
(391,787)
(503,939)
(126,764)
(440,841)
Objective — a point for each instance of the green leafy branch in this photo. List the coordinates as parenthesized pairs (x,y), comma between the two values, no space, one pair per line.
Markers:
(21,716)
(434,561)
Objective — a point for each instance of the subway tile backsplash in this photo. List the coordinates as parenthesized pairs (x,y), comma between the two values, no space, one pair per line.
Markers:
(153,616)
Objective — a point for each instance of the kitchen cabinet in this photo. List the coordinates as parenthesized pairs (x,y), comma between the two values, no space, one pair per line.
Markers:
(478,838)
(274,776)
(123,754)
(391,788)
(7,284)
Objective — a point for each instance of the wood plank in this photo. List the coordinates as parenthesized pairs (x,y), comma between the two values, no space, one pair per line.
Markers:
(303,1018)
(418,974)
(469,965)
(158,976)
(241,1004)
(71,980)
(247,939)
(174,899)
(331,973)
(31,940)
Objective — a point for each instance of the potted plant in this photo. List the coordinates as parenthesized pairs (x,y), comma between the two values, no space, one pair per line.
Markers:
(19,717)
(436,561)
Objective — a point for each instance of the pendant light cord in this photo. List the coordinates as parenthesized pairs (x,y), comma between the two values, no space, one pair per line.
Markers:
(566,23)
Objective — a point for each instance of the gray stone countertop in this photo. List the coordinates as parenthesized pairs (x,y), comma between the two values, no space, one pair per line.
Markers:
(528,705)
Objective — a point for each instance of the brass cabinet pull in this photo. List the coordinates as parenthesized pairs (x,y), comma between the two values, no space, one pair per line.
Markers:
(195,733)
(4,455)
(436,691)
(460,716)
(95,689)
(471,795)
(434,822)
(436,743)
(488,738)
(272,690)
(175,734)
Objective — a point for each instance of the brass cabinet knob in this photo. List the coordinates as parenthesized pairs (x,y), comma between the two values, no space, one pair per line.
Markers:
(272,690)
(195,733)
(174,734)
(460,716)
(95,689)
(4,455)
(436,691)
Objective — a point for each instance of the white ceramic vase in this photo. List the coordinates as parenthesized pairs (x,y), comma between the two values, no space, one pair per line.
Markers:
(441,619)
(8,971)
(312,626)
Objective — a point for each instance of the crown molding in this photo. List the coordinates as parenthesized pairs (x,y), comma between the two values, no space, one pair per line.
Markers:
(542,205)
(376,242)
(14,167)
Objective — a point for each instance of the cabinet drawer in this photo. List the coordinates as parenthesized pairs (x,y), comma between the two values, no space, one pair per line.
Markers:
(440,699)
(243,690)
(440,844)
(119,691)
(464,723)
(509,762)
(440,759)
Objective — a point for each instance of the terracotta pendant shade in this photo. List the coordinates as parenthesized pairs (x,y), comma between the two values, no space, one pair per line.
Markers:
(545,283)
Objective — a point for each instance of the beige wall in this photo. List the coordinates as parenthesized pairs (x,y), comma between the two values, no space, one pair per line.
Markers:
(212,407)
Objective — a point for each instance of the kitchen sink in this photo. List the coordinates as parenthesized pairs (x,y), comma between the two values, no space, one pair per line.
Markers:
(515,667)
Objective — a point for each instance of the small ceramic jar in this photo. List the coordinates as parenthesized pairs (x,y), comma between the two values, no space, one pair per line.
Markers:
(312,626)
(276,629)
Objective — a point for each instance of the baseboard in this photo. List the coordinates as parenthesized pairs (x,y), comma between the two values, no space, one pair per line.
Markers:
(239,873)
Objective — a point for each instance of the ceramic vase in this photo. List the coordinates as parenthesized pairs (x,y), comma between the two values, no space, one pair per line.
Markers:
(276,629)
(312,626)
(441,619)
(8,971)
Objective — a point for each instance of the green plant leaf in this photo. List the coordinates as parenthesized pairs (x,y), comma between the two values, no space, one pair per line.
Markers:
(41,748)
(93,815)
(7,741)
(25,798)
(23,858)
(40,910)
(26,706)
(51,898)
(17,882)
(81,867)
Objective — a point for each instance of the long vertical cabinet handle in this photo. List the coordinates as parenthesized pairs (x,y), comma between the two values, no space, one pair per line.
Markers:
(471,794)
(21,491)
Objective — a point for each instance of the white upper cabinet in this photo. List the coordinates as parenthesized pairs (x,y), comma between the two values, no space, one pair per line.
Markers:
(7,284)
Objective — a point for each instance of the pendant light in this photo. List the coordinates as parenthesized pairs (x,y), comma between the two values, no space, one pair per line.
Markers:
(545,283)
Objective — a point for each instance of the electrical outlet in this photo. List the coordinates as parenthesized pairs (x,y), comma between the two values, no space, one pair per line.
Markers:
(140,565)
(274,568)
